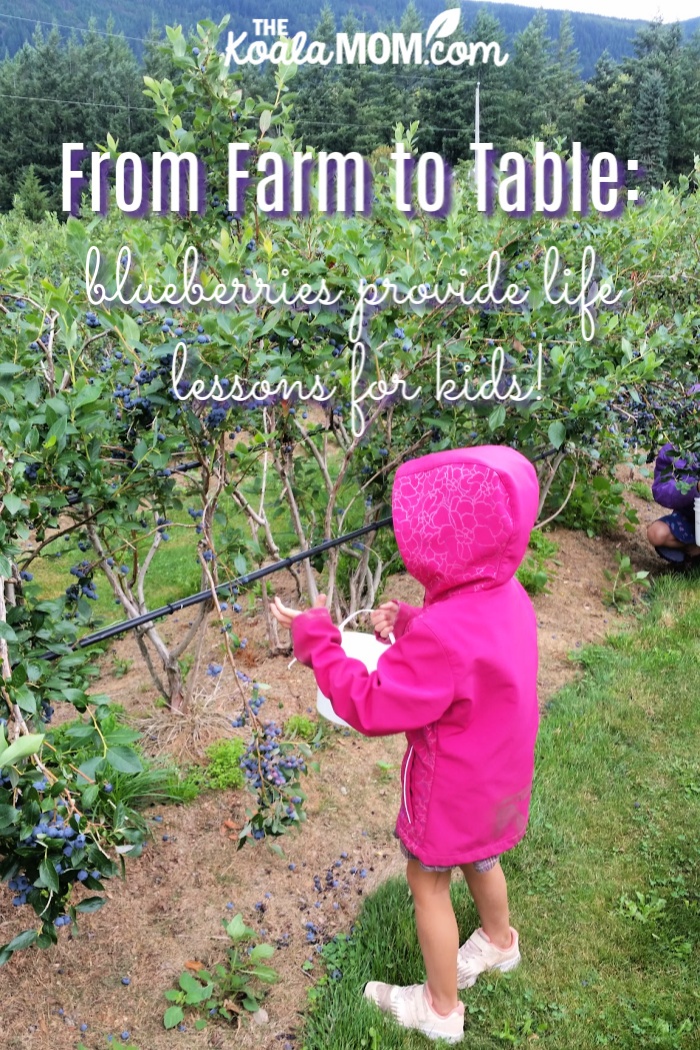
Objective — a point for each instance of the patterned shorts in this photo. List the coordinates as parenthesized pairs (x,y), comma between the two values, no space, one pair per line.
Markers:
(480,865)
(682,525)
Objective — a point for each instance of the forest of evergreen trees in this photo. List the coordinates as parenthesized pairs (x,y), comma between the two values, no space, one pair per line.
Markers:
(592,33)
(81,87)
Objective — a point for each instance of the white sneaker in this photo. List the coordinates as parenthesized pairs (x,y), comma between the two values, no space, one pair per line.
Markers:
(478,954)
(409,1006)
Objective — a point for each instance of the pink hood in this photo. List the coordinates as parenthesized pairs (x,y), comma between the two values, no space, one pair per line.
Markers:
(462,518)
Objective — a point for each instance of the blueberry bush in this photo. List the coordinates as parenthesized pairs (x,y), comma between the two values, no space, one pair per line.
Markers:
(106,456)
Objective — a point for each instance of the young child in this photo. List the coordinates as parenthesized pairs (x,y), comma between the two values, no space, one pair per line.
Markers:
(460,681)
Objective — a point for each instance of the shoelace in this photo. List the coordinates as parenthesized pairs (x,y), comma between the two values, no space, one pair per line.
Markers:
(405,994)
(472,948)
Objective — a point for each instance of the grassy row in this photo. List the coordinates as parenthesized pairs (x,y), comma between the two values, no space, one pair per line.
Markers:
(605,888)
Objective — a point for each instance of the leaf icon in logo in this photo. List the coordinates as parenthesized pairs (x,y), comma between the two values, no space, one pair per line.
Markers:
(444,24)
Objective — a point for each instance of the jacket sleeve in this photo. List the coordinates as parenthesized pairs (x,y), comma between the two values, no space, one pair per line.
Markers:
(411,687)
(669,470)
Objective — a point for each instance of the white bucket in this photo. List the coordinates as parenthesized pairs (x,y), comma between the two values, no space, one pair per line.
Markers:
(697,520)
(360,646)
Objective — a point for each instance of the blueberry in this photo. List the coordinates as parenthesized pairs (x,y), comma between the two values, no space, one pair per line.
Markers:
(126,980)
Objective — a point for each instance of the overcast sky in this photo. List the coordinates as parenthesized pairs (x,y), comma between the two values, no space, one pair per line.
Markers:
(671,10)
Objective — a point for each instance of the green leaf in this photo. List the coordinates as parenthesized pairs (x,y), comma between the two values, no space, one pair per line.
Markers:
(22,940)
(130,330)
(265,973)
(56,432)
(200,1024)
(5,955)
(189,984)
(6,631)
(81,732)
(48,875)
(13,504)
(140,450)
(8,816)
(237,929)
(265,120)
(88,769)
(26,700)
(497,417)
(8,369)
(173,1016)
(91,904)
(261,951)
(124,760)
(88,394)
(5,566)
(557,433)
(22,748)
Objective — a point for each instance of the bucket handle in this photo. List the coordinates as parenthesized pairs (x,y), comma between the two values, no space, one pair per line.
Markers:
(351,616)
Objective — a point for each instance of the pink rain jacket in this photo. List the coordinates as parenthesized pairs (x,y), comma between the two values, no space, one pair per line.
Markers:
(460,680)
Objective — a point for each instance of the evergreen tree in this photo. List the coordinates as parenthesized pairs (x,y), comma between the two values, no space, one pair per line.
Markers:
(446,116)
(531,109)
(31,199)
(598,120)
(567,90)
(316,102)
(408,81)
(349,107)
(659,48)
(649,142)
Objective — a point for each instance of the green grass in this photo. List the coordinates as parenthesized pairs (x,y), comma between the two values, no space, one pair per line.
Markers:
(643,490)
(175,571)
(605,888)
(534,570)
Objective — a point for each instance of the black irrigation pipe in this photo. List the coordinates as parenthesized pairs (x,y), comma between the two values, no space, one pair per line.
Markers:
(223,589)
(232,585)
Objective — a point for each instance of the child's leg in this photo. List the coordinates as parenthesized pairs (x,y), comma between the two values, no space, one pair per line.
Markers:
(490,893)
(437,932)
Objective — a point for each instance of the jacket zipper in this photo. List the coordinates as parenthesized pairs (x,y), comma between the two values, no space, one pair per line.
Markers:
(405,781)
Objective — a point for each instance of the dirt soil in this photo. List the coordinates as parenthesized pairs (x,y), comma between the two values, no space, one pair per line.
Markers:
(190,875)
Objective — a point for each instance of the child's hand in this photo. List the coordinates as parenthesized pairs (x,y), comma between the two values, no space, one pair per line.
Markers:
(285,616)
(384,618)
